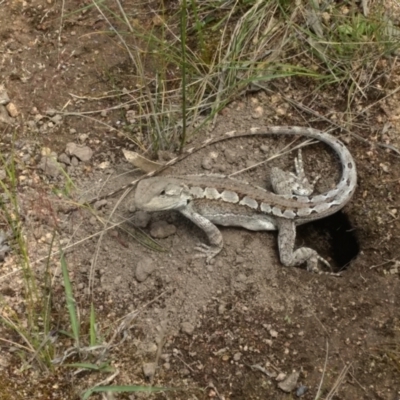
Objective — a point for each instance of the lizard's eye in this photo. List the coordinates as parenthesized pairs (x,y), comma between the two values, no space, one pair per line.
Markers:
(162,193)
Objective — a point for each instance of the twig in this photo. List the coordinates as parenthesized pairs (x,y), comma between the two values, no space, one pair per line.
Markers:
(318,115)
(324,370)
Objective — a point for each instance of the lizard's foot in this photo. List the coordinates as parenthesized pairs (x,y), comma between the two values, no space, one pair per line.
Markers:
(209,252)
(312,266)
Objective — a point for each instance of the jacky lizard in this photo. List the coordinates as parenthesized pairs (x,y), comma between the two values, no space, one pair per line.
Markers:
(214,199)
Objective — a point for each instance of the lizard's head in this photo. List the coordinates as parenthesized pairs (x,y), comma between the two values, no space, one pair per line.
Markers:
(159,194)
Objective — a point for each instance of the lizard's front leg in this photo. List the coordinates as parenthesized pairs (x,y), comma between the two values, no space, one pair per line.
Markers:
(290,257)
(213,234)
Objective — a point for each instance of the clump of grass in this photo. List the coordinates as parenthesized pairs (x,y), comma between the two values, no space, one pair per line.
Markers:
(199,56)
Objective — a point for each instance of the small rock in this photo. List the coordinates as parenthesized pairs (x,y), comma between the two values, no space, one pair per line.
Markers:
(241,278)
(34,111)
(207,163)
(50,166)
(83,137)
(83,153)
(51,112)
(273,333)
(4,249)
(184,372)
(281,376)
(289,383)
(93,221)
(187,328)
(221,308)
(265,149)
(141,219)
(4,99)
(258,112)
(167,366)
(74,161)
(149,369)
(64,159)
(130,116)
(104,165)
(143,269)
(301,391)
(4,117)
(31,124)
(237,356)
(56,119)
(230,156)
(118,280)
(162,229)
(100,204)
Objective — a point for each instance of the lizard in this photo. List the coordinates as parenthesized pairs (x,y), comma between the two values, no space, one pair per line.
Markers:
(210,200)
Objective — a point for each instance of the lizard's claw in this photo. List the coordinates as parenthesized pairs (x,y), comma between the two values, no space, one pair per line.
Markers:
(209,252)
(312,266)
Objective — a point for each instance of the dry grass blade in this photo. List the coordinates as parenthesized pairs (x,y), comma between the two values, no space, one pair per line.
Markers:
(141,162)
(339,382)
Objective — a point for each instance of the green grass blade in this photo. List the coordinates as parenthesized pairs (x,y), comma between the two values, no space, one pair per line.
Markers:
(104,367)
(71,304)
(93,336)
(121,389)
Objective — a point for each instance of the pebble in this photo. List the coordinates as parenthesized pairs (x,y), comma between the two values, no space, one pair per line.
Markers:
(83,153)
(93,220)
(162,229)
(184,372)
(4,99)
(143,269)
(149,369)
(83,137)
(257,113)
(207,163)
(301,391)
(100,204)
(74,161)
(4,117)
(57,119)
(50,166)
(4,249)
(230,156)
(273,333)
(51,112)
(64,159)
(289,383)
(187,328)
(237,356)
(141,219)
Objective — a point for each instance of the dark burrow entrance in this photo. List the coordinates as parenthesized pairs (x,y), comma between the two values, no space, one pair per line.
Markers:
(333,236)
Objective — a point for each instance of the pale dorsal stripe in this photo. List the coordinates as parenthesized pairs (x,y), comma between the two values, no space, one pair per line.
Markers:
(249,202)
(211,193)
(197,192)
(229,196)
(265,208)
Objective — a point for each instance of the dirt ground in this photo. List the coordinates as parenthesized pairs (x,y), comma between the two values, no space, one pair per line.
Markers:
(234,329)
